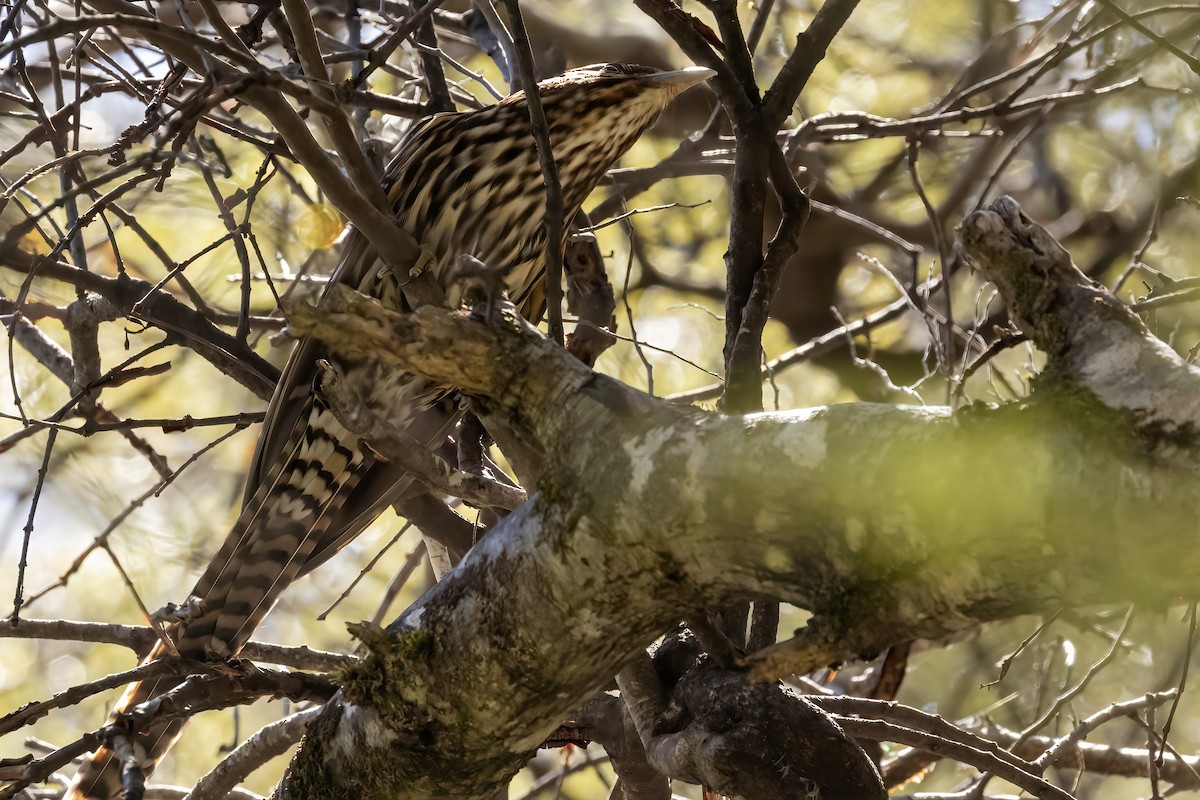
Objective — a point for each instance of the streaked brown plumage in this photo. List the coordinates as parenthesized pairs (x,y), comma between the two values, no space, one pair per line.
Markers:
(460,183)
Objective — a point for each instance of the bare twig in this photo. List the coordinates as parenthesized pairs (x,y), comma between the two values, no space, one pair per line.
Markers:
(267,743)
(554,220)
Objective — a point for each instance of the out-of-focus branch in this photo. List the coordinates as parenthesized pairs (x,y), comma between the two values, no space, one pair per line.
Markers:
(162,310)
(140,639)
(809,51)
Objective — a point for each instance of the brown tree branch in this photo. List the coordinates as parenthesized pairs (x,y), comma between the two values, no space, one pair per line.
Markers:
(182,324)
(140,639)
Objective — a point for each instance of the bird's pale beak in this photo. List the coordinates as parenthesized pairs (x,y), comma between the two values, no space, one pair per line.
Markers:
(680,79)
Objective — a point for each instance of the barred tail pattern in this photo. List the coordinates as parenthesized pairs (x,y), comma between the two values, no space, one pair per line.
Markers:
(100,776)
(286,521)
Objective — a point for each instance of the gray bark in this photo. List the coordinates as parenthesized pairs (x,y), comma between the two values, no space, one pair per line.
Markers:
(888,523)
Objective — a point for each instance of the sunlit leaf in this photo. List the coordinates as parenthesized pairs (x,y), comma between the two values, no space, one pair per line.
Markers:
(318,226)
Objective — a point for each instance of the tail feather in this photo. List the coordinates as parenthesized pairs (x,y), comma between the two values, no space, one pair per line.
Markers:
(320,492)
(99,777)
(289,518)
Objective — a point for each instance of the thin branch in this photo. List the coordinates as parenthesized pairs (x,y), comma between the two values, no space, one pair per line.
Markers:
(183,325)
(140,639)
(1022,776)
(1192,62)
(808,53)
(266,743)
(554,223)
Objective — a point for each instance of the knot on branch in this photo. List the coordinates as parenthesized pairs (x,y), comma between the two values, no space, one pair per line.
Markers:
(503,358)
(351,324)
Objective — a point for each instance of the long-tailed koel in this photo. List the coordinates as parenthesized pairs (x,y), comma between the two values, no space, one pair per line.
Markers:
(465,182)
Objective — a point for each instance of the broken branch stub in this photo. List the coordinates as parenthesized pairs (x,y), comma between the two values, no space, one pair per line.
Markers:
(1090,337)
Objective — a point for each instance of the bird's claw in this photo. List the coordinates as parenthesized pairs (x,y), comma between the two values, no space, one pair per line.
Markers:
(425,259)
(482,289)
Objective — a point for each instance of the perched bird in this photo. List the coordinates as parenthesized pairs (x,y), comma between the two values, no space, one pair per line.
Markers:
(466,182)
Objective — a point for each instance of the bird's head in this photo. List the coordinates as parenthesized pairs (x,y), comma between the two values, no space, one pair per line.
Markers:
(620,99)
(596,113)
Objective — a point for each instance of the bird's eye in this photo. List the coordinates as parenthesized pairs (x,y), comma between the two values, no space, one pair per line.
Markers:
(612,69)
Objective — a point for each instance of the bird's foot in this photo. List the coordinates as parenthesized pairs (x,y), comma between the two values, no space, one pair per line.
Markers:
(481,288)
(425,259)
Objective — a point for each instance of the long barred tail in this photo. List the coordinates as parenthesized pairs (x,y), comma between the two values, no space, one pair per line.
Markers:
(287,520)
(311,502)
(312,489)
(292,516)
(99,776)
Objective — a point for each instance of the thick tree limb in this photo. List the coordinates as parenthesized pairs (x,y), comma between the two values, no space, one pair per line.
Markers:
(755,740)
(856,524)
(606,721)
